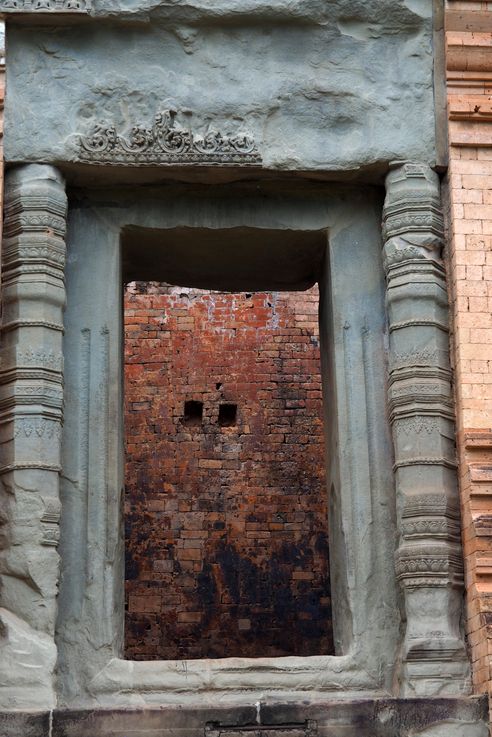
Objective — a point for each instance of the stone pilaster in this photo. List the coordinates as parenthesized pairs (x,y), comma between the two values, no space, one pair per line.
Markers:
(428,560)
(31,363)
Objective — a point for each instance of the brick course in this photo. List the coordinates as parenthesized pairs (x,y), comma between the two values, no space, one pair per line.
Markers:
(226,519)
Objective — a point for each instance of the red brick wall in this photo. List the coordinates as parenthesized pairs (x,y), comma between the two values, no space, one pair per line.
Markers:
(226,526)
(468,187)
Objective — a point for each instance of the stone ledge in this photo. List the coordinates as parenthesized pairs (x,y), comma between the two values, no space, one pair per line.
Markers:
(478,439)
(24,723)
(473,21)
(386,717)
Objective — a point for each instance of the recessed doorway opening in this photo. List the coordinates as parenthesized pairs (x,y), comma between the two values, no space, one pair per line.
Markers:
(226,508)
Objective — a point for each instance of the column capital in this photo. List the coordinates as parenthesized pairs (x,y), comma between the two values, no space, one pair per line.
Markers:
(413,225)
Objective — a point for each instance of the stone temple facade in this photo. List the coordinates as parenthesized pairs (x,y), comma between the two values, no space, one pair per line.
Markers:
(256,147)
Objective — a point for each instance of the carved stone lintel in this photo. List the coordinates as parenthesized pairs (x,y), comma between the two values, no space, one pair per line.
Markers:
(167,143)
(428,559)
(31,403)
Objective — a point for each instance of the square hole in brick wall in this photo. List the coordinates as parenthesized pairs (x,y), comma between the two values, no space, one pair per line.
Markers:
(227,415)
(226,507)
(192,413)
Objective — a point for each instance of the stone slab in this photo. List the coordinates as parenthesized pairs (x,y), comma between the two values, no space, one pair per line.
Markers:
(371,718)
(24,724)
(317,86)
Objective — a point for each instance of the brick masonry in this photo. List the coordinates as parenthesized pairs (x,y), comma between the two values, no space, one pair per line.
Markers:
(468,187)
(226,516)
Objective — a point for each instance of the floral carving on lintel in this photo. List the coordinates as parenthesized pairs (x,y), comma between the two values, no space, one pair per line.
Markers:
(44,6)
(167,143)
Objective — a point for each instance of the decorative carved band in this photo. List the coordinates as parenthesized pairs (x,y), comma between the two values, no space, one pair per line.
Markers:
(33,465)
(38,220)
(419,461)
(442,566)
(44,6)
(430,531)
(167,143)
(430,527)
(40,358)
(419,323)
(39,427)
(437,505)
(415,424)
(415,357)
(16,324)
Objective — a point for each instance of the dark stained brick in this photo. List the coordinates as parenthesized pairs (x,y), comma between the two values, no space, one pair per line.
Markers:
(226,510)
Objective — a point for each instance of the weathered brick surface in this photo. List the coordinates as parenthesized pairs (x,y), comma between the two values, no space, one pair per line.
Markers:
(226,520)
(467,187)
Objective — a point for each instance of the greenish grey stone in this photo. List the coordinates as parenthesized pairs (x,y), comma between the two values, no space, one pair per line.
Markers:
(320,86)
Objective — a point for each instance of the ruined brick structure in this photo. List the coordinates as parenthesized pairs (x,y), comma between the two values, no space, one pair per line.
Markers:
(227,549)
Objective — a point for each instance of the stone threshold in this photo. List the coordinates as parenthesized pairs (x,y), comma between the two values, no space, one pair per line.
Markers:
(381,717)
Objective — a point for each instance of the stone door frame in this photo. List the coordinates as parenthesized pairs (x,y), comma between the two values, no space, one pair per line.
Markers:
(366,516)
(361,485)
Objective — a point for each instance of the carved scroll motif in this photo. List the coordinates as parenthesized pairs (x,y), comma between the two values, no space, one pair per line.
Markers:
(44,6)
(428,560)
(167,143)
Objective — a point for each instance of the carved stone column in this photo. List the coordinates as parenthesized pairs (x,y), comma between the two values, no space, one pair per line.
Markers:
(33,298)
(428,560)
